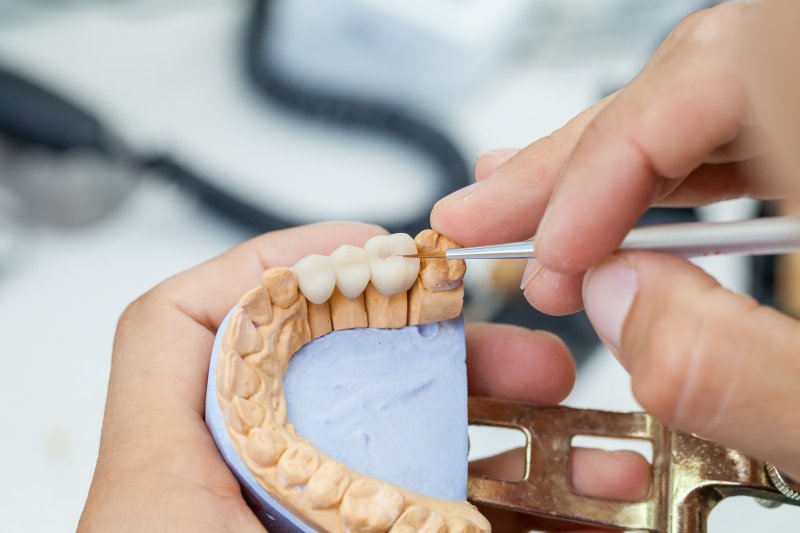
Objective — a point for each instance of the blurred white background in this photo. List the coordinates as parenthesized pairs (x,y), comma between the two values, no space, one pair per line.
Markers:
(166,75)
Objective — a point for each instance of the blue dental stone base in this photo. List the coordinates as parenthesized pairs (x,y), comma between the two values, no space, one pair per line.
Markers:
(389,403)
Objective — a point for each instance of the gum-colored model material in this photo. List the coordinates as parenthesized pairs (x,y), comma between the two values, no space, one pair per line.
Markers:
(438,293)
(438,274)
(258,305)
(386,311)
(347,313)
(273,322)
(319,319)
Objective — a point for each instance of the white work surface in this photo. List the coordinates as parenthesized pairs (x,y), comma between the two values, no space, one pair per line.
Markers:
(172,81)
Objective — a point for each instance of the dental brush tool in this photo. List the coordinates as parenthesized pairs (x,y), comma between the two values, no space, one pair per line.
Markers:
(762,236)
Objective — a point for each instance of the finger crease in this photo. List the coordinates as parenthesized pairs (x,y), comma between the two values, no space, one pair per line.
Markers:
(731,389)
(692,372)
(202,318)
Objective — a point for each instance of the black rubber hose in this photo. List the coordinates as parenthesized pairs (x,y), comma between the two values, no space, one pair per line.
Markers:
(32,114)
(353,112)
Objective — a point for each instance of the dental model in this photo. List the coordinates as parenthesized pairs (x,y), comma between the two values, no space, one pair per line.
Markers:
(373,287)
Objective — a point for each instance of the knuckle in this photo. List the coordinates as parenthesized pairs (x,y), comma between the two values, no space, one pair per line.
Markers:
(129,317)
(691,22)
(136,311)
(698,24)
(711,24)
(544,157)
(677,379)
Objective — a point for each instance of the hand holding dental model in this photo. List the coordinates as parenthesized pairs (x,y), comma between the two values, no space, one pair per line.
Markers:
(702,359)
(158,467)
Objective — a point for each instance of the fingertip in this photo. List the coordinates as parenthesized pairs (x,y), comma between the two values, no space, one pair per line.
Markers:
(505,208)
(609,291)
(487,162)
(508,465)
(554,293)
(562,357)
(344,230)
(446,220)
(285,247)
(516,363)
(602,191)
(620,475)
(472,216)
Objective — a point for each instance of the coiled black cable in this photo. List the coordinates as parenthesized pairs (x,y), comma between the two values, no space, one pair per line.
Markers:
(352,112)
(32,114)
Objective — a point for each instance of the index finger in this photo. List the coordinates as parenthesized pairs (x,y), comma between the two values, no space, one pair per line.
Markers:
(687,102)
(507,205)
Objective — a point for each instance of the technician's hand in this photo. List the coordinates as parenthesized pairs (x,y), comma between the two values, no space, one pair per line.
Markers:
(158,468)
(702,359)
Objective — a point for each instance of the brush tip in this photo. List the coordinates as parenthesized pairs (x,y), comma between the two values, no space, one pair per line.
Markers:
(427,255)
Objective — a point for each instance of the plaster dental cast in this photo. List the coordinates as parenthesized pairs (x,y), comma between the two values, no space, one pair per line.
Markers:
(714,115)
(159,467)
(384,290)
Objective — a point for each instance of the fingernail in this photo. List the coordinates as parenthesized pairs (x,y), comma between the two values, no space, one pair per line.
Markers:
(608,292)
(500,155)
(499,152)
(543,221)
(461,194)
(531,269)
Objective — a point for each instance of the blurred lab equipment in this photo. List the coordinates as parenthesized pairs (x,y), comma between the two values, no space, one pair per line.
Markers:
(401,71)
(389,68)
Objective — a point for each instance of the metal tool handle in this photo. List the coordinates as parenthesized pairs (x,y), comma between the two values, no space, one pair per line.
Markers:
(689,474)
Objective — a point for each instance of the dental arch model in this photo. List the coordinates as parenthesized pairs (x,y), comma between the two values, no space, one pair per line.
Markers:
(373,287)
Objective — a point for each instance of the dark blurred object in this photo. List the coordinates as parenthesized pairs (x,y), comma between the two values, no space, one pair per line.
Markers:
(785,279)
(33,115)
(776,279)
(59,160)
(352,112)
(72,170)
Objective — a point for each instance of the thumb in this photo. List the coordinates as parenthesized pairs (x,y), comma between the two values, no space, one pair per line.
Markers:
(702,359)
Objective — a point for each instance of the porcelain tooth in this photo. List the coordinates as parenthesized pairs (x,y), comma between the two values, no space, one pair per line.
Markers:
(351,265)
(315,277)
(390,272)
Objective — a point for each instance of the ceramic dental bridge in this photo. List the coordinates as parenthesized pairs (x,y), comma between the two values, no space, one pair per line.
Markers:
(294,486)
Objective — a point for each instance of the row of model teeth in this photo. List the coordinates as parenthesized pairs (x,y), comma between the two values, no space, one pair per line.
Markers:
(364,505)
(251,367)
(350,268)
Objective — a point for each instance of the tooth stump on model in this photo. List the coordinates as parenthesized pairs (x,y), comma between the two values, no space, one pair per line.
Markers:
(386,311)
(282,286)
(319,319)
(265,445)
(460,525)
(257,305)
(438,274)
(416,519)
(297,464)
(347,313)
(370,506)
(352,288)
(328,484)
(241,335)
(438,294)
(235,377)
(244,415)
